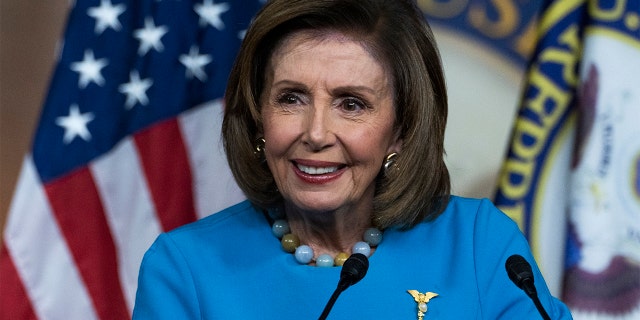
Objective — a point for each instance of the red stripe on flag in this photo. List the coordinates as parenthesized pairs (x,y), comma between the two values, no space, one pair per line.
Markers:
(76,205)
(168,172)
(15,303)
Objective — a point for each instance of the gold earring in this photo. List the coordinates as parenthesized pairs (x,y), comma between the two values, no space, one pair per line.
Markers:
(389,161)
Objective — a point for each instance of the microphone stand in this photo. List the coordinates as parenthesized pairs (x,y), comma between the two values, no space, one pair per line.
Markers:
(353,270)
(530,290)
(332,300)
(519,271)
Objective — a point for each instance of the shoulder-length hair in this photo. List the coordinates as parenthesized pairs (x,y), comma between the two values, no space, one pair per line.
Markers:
(396,34)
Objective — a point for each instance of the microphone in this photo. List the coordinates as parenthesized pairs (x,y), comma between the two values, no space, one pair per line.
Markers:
(519,271)
(353,270)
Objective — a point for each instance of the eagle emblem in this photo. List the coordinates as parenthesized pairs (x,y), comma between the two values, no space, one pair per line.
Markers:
(422,299)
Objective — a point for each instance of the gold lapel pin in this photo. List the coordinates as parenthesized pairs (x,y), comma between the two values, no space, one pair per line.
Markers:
(422,299)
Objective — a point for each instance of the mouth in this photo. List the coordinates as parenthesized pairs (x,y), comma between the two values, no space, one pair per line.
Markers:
(316,170)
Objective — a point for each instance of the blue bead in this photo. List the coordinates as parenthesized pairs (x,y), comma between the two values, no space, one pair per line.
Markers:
(373,236)
(361,247)
(304,254)
(280,228)
(324,260)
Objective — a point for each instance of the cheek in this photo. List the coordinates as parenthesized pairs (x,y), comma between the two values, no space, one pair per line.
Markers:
(278,135)
(382,131)
(370,145)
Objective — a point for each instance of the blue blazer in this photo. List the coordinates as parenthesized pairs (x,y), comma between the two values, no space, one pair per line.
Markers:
(230,266)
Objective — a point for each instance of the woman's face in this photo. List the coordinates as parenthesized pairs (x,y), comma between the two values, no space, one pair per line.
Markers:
(328,119)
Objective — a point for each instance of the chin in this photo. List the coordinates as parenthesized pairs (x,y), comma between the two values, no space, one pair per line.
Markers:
(318,205)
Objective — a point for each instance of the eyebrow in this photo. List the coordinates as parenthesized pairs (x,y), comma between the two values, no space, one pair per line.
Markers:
(288,83)
(337,91)
(349,89)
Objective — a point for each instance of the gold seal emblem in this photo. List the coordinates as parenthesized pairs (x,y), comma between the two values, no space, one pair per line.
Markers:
(422,299)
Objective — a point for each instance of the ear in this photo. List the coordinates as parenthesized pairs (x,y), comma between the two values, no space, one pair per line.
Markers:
(259,132)
(396,145)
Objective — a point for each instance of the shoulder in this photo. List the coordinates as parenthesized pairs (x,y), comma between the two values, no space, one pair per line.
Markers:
(178,262)
(219,227)
(484,230)
(468,223)
(230,215)
(460,204)
(478,221)
(479,212)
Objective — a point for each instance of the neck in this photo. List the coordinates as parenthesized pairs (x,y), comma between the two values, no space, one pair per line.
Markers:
(329,232)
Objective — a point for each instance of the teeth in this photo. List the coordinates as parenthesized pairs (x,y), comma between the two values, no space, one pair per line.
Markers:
(316,170)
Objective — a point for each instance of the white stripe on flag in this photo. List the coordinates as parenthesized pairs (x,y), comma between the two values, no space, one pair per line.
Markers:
(214,186)
(32,237)
(129,209)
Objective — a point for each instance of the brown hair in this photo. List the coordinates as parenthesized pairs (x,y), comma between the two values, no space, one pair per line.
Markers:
(395,33)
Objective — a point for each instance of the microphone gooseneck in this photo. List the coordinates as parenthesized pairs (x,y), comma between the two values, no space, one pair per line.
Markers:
(519,271)
(353,270)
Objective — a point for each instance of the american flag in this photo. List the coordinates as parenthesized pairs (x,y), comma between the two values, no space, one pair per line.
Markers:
(128,146)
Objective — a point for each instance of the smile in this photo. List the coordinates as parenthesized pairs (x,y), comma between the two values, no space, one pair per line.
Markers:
(317,170)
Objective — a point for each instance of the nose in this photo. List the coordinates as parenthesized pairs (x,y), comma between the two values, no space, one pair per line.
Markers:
(319,129)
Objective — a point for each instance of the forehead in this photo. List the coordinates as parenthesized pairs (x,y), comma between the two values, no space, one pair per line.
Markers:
(317,36)
(313,37)
(333,46)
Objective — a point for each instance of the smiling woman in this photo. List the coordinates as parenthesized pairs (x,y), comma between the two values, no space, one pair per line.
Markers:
(408,55)
(334,129)
(328,122)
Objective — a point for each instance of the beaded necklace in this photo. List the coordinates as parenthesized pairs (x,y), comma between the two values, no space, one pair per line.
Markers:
(304,253)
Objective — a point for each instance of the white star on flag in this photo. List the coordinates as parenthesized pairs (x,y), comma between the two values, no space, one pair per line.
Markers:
(106,15)
(195,63)
(136,90)
(89,69)
(75,124)
(150,36)
(210,13)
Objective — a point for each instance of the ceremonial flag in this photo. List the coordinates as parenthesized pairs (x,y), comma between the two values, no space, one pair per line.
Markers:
(572,176)
(128,145)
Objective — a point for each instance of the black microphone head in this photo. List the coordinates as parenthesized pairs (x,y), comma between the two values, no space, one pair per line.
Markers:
(354,269)
(519,270)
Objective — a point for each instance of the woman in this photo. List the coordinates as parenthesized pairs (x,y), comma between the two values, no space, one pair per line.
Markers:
(334,129)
